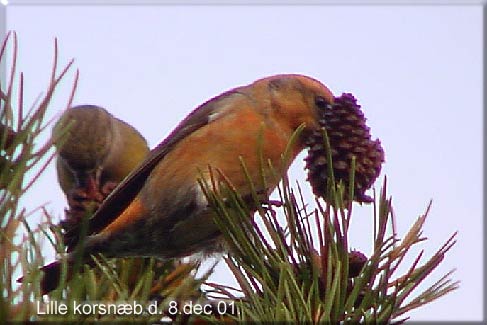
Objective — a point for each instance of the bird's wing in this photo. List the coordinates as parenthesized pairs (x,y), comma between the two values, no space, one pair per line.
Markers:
(128,189)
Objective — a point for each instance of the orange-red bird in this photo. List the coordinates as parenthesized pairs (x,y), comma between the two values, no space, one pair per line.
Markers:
(160,210)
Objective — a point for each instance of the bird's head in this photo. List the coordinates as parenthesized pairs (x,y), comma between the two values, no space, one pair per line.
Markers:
(296,100)
(83,136)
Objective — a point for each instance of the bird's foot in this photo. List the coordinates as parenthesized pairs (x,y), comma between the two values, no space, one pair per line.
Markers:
(108,188)
(82,195)
(81,204)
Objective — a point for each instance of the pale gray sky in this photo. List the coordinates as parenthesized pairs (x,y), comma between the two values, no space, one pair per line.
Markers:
(416,70)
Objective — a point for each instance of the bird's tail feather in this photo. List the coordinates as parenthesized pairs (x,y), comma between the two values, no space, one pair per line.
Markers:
(51,277)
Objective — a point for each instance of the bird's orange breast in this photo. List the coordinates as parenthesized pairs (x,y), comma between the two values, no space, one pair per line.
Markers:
(240,135)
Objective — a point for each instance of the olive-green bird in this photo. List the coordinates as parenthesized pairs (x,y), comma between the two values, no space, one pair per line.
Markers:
(95,151)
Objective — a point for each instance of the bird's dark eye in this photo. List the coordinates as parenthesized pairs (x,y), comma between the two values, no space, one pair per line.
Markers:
(321,102)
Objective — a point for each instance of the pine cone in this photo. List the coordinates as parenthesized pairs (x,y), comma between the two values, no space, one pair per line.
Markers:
(83,202)
(356,262)
(349,136)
